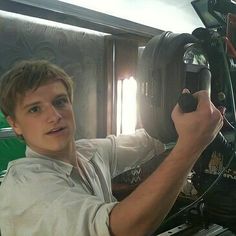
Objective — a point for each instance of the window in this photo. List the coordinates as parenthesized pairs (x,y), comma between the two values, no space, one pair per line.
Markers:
(126,106)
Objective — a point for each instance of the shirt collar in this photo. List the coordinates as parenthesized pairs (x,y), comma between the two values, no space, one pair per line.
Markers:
(57,164)
(85,149)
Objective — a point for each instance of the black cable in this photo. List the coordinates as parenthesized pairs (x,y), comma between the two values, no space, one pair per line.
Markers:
(228,123)
(229,82)
(204,194)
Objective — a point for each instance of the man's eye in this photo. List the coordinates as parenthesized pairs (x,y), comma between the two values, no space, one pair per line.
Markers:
(34,109)
(60,102)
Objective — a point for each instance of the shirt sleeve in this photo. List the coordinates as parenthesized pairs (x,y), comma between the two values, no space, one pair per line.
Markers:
(49,205)
(129,151)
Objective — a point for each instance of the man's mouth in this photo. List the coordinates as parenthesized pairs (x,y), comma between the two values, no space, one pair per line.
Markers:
(55,130)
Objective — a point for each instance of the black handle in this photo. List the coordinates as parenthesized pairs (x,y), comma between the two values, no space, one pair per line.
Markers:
(187,102)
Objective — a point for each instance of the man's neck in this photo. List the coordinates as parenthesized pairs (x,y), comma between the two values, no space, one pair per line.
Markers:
(67,155)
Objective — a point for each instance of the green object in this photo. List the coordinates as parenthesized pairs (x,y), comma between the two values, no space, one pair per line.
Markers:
(11,148)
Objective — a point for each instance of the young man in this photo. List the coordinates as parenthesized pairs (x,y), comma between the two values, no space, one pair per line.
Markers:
(63,187)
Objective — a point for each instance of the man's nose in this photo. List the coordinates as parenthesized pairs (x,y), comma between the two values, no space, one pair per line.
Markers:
(52,114)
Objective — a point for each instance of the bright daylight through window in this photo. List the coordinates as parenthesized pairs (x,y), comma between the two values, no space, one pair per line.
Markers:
(126,106)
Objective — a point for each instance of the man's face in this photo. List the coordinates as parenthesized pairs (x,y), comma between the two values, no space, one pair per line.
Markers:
(45,119)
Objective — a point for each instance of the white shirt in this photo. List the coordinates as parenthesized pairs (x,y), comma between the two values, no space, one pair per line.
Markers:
(46,197)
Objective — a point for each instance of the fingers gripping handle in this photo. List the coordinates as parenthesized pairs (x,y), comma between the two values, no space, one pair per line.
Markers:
(187,102)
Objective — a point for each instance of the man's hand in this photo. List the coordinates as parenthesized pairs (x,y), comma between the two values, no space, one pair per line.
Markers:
(198,128)
(146,207)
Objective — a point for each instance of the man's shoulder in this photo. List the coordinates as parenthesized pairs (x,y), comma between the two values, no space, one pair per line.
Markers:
(26,162)
(92,144)
(32,166)
(19,163)
(15,170)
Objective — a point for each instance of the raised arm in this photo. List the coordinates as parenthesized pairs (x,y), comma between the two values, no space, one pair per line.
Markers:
(146,207)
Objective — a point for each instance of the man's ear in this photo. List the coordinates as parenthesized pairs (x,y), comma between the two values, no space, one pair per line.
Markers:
(13,123)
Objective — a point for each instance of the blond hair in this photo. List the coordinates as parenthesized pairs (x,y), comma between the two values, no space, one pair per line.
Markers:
(29,75)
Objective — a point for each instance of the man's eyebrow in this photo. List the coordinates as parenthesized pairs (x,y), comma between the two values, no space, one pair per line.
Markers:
(61,95)
(31,104)
(38,102)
